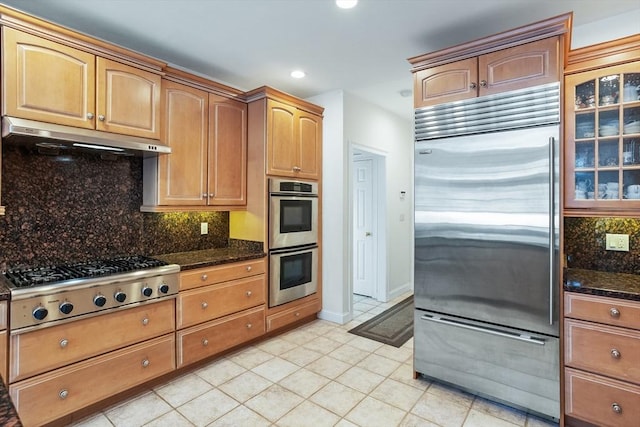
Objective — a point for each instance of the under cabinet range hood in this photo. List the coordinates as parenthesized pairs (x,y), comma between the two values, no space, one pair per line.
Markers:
(51,135)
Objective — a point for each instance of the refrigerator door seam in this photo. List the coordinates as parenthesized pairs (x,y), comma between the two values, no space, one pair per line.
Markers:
(552,233)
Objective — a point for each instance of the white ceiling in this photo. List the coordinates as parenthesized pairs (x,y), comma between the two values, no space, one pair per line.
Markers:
(251,43)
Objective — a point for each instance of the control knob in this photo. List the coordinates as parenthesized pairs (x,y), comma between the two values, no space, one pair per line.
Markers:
(164,288)
(120,296)
(99,300)
(40,313)
(147,291)
(66,307)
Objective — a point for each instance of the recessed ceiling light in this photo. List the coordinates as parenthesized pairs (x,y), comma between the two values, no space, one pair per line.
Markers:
(298,74)
(346,4)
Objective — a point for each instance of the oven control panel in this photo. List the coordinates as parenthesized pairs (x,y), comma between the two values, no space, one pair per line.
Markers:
(57,305)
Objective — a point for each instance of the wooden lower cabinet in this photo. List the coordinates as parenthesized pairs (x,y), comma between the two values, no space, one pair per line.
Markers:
(210,338)
(602,360)
(602,401)
(206,276)
(49,396)
(292,315)
(70,342)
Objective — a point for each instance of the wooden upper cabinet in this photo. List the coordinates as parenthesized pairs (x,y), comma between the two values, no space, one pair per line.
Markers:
(128,100)
(182,175)
(227,151)
(54,83)
(446,83)
(508,69)
(47,81)
(294,141)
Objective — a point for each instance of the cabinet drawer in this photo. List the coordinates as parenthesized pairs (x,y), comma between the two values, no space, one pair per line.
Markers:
(203,304)
(603,349)
(50,396)
(208,276)
(611,311)
(74,341)
(292,315)
(601,401)
(210,338)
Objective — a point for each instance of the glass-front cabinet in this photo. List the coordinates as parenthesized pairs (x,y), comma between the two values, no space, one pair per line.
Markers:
(602,128)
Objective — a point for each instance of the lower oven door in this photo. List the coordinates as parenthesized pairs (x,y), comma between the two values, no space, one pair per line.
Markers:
(293,274)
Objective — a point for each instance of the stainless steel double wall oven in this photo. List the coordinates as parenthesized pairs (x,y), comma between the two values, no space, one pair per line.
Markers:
(293,240)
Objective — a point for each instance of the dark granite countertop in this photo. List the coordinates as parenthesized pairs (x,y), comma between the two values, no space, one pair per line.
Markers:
(210,257)
(8,414)
(615,285)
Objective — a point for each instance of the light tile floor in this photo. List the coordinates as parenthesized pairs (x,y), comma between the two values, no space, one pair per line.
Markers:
(317,375)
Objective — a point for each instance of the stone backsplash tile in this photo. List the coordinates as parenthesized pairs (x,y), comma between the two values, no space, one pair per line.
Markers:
(584,244)
(79,206)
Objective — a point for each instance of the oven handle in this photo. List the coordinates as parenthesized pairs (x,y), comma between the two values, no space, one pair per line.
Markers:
(294,195)
(295,249)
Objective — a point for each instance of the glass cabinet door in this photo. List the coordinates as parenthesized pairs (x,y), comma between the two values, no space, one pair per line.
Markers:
(602,119)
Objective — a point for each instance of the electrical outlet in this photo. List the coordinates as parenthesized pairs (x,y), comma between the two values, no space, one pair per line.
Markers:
(204,228)
(617,242)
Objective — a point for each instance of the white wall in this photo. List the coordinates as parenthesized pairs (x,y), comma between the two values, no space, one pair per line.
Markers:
(349,119)
(608,29)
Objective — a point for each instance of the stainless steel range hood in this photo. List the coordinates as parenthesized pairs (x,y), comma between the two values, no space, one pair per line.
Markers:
(34,132)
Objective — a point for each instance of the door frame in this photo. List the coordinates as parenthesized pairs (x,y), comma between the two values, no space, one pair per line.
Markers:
(380,288)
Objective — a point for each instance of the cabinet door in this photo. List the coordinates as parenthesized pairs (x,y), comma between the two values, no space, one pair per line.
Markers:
(450,82)
(227,151)
(602,139)
(518,67)
(182,174)
(128,100)
(282,149)
(47,81)
(310,146)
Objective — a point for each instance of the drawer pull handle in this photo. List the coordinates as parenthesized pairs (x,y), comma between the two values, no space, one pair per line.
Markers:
(204,305)
(249,293)
(204,277)
(249,326)
(297,314)
(145,363)
(64,343)
(145,321)
(205,342)
(249,268)
(63,394)
(615,353)
(614,312)
(616,408)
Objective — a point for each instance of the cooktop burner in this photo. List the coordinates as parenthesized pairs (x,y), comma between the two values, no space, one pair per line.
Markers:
(45,275)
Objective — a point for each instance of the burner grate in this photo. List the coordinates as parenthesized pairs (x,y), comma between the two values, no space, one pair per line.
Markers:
(51,274)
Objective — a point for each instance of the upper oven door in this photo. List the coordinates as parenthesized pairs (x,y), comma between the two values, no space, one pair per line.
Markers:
(293,220)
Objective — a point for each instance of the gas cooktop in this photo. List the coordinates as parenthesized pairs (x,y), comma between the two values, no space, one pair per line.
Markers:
(30,277)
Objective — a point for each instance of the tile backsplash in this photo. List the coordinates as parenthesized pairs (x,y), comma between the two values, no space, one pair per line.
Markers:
(76,207)
(584,244)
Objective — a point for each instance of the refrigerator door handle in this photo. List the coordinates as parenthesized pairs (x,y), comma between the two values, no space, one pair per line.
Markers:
(456,323)
(552,168)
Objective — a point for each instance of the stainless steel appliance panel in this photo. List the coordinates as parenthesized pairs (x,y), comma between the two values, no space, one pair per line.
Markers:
(293,274)
(486,221)
(293,213)
(504,364)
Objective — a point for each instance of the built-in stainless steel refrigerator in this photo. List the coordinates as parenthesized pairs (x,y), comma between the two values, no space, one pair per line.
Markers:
(486,246)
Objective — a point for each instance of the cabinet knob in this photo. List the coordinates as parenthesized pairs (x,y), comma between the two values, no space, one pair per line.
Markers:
(205,195)
(614,312)
(615,353)
(204,277)
(145,321)
(145,363)
(473,85)
(205,342)
(212,195)
(249,268)
(296,169)
(249,325)
(204,305)
(90,116)
(297,314)
(483,83)
(63,393)
(616,408)
(101,118)
(249,293)
(64,342)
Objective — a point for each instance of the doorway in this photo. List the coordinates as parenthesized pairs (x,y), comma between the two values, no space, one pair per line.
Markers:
(367,225)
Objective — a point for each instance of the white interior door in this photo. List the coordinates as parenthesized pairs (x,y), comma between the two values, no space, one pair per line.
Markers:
(363,228)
